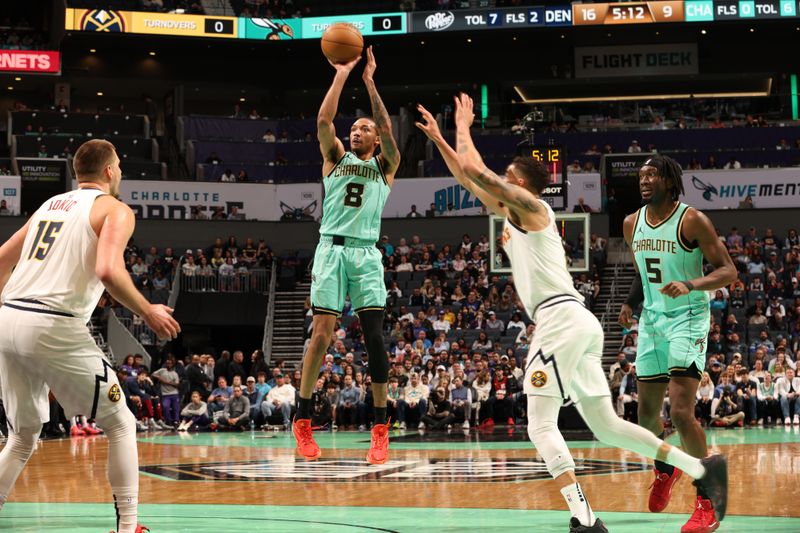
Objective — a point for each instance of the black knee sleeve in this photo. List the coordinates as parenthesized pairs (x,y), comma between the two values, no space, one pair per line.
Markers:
(372,326)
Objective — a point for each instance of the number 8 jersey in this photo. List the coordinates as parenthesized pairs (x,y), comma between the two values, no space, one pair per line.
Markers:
(663,255)
(57,263)
(355,194)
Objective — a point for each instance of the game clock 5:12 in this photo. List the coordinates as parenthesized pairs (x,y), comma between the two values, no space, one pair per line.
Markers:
(627,13)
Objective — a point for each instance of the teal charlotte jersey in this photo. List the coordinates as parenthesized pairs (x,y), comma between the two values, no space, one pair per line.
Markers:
(355,194)
(672,331)
(346,261)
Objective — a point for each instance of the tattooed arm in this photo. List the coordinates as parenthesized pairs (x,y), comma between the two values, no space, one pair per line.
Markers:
(390,154)
(331,147)
(524,208)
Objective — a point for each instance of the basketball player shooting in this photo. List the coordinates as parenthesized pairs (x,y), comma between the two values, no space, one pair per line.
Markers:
(346,261)
(669,241)
(564,357)
(70,249)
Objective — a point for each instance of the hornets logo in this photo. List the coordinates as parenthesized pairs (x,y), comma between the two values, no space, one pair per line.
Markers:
(114,393)
(538,379)
(701,343)
(103,20)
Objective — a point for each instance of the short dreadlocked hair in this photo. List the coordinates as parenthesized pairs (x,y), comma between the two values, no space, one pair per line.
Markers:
(670,170)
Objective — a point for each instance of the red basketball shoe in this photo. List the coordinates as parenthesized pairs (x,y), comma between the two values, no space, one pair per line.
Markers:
(662,489)
(703,520)
(140,529)
(379,451)
(306,446)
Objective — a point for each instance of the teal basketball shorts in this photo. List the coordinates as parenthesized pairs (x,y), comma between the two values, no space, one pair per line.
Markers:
(672,344)
(353,268)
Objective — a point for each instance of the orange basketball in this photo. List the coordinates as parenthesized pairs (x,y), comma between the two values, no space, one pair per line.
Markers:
(341,42)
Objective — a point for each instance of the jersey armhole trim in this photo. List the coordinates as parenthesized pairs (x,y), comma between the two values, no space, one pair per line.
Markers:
(518,228)
(688,246)
(328,175)
(636,223)
(380,168)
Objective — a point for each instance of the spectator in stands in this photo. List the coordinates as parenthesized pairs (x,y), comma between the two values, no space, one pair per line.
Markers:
(431,211)
(269,137)
(253,115)
(768,406)
(195,414)
(170,397)
(4,210)
(728,412)
(747,203)
(284,137)
(351,407)
(581,207)
(42,151)
(213,159)
(413,213)
(227,177)
(396,406)
(732,164)
(705,394)
(494,326)
(234,213)
(658,124)
(242,177)
(404,265)
(236,413)
(787,389)
(763,342)
(634,147)
(629,394)
(219,396)
(415,396)
(281,398)
(438,415)
(574,167)
(461,401)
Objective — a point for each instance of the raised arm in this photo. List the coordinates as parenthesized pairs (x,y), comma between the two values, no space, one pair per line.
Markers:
(390,154)
(431,130)
(331,147)
(526,208)
(10,253)
(698,228)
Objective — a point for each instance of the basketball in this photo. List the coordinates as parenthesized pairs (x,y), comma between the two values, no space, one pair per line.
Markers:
(341,43)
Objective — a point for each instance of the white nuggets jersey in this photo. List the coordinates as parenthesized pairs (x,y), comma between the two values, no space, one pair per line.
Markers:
(57,264)
(538,263)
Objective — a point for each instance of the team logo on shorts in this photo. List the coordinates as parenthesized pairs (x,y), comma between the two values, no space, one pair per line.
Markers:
(701,343)
(538,379)
(114,393)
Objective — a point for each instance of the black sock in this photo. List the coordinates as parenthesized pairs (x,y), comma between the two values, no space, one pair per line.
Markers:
(304,409)
(380,415)
(664,468)
(701,493)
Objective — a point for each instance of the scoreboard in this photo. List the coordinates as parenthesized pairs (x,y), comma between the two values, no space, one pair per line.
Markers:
(425,22)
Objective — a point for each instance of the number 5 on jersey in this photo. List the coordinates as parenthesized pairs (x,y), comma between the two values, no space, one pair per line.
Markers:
(45,237)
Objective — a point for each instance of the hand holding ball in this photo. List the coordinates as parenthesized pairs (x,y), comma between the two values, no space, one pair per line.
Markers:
(342,43)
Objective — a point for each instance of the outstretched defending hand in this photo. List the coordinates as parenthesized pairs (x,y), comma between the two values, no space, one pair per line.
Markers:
(369,68)
(159,318)
(428,125)
(345,67)
(464,113)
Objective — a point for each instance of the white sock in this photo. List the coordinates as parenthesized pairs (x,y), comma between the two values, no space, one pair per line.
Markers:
(123,468)
(608,428)
(687,463)
(578,504)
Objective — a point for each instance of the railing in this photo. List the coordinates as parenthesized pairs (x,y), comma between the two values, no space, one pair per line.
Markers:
(607,316)
(257,280)
(129,335)
(269,322)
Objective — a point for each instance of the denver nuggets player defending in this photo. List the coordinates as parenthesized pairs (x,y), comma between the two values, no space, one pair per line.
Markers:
(564,357)
(67,252)
(669,240)
(347,261)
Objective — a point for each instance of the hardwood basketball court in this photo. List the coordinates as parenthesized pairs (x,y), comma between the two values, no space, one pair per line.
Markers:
(462,481)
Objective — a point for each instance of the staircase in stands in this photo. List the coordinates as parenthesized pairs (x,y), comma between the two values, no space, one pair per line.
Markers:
(613,292)
(288,335)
